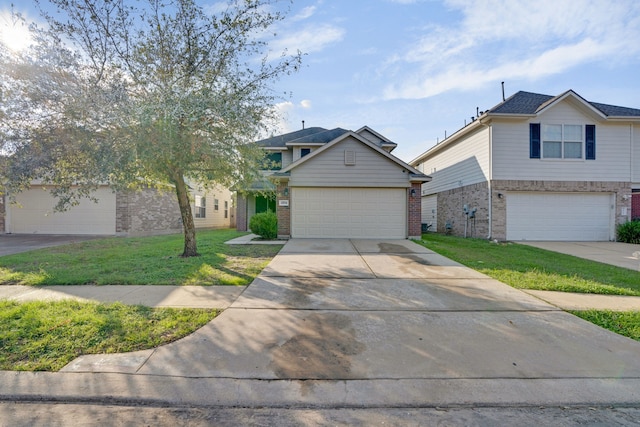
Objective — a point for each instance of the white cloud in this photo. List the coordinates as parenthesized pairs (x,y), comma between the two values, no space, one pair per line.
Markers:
(305,13)
(310,39)
(305,104)
(517,39)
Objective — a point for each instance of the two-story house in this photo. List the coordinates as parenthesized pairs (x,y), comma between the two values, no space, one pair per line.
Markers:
(335,183)
(536,167)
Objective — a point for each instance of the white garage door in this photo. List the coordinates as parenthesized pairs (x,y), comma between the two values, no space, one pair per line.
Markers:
(349,212)
(35,214)
(559,216)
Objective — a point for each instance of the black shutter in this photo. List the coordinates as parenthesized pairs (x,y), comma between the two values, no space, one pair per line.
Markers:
(590,142)
(534,140)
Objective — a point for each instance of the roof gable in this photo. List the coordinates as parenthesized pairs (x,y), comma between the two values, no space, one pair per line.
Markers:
(527,103)
(417,174)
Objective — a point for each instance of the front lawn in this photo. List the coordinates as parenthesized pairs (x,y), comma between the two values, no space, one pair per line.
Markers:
(45,336)
(140,261)
(526,267)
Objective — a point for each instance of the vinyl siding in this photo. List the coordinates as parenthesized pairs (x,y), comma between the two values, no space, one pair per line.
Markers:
(463,163)
(287,158)
(371,137)
(430,211)
(328,169)
(213,218)
(511,150)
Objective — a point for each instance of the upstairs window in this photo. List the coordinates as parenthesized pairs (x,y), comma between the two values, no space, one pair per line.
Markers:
(553,141)
(215,204)
(304,151)
(273,161)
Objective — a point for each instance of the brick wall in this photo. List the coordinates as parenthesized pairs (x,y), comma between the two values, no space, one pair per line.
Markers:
(147,212)
(450,203)
(635,206)
(241,213)
(450,210)
(414,209)
(283,212)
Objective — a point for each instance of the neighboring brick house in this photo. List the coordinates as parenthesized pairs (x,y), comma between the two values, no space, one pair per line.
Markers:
(335,184)
(536,167)
(130,213)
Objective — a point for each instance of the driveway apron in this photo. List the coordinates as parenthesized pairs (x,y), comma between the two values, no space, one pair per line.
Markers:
(355,322)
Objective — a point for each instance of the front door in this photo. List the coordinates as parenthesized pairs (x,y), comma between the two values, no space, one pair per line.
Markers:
(264,204)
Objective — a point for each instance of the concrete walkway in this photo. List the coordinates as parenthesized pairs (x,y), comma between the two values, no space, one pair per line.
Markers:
(623,255)
(362,323)
(151,296)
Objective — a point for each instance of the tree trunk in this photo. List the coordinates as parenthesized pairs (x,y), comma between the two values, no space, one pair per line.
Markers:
(190,246)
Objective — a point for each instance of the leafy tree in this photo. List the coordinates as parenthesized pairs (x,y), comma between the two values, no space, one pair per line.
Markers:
(140,93)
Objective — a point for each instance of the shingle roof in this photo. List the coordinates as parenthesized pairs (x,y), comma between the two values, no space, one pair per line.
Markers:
(313,135)
(320,137)
(521,103)
(530,103)
(613,110)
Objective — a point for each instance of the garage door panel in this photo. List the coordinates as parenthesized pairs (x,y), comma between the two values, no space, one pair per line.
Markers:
(348,212)
(34,214)
(559,216)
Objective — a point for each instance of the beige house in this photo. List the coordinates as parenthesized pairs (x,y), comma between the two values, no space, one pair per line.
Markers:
(335,184)
(131,213)
(536,167)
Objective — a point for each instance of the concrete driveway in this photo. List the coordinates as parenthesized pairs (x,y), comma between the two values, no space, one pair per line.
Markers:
(16,243)
(619,254)
(364,323)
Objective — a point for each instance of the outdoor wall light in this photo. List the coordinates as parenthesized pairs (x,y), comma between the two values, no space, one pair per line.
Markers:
(285,192)
(500,196)
(413,192)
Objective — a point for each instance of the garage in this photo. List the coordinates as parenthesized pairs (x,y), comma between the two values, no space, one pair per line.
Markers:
(560,216)
(349,213)
(34,214)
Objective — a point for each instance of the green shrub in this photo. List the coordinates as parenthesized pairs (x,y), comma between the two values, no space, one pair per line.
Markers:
(629,232)
(265,225)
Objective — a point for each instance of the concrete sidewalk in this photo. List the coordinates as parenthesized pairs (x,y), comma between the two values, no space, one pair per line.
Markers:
(362,323)
(623,255)
(152,296)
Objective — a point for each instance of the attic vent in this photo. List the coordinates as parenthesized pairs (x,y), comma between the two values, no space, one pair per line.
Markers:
(349,157)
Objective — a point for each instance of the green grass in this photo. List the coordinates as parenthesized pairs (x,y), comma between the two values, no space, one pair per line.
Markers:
(526,267)
(45,336)
(625,323)
(140,261)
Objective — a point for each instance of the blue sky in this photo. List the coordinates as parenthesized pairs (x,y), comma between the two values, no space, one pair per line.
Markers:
(413,69)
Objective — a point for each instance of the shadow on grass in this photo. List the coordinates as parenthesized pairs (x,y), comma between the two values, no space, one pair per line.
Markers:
(139,261)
